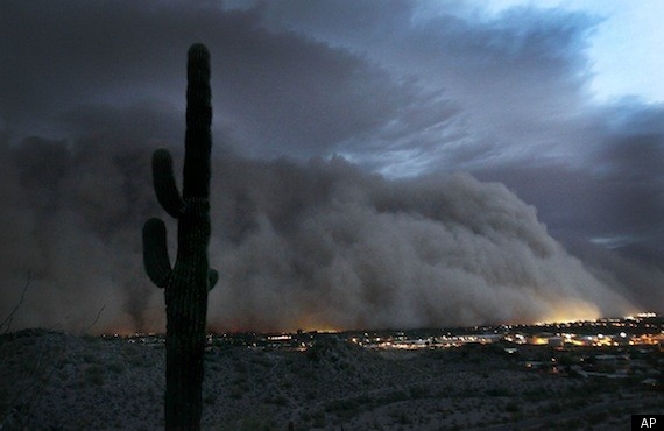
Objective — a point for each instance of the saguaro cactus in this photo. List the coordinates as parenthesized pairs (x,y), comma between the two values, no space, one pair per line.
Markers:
(186,285)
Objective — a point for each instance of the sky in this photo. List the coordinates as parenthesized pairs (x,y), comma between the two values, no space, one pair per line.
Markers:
(375,164)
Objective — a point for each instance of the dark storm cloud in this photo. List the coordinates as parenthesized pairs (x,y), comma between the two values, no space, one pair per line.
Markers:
(308,99)
(276,93)
(71,223)
(629,166)
(319,245)
(603,220)
(389,87)
(521,82)
(520,78)
(143,122)
(613,196)
(394,88)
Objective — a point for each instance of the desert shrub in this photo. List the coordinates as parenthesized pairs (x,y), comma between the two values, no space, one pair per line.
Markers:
(418,392)
(404,418)
(313,354)
(236,392)
(555,408)
(150,392)
(535,395)
(262,361)
(280,400)
(62,376)
(240,367)
(393,397)
(318,419)
(87,357)
(116,367)
(497,392)
(341,405)
(255,423)
(95,375)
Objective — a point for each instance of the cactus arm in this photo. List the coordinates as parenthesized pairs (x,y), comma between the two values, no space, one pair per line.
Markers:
(213,275)
(155,252)
(164,183)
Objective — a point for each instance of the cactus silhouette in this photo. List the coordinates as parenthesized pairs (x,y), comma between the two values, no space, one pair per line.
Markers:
(186,285)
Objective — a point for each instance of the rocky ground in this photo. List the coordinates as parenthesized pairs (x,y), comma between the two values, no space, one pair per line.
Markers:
(56,381)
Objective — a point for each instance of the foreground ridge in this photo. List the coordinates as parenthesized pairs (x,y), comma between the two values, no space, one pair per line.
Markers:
(72,382)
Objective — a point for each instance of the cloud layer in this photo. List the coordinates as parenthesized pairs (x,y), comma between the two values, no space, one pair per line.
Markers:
(320,245)
(390,233)
(327,246)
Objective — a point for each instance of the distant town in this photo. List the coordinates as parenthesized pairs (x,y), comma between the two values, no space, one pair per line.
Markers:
(643,329)
(610,347)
